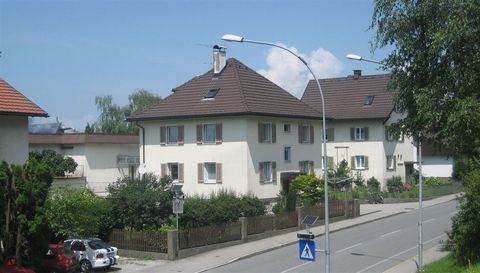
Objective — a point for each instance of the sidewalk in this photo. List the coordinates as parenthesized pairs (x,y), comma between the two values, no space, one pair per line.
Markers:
(219,257)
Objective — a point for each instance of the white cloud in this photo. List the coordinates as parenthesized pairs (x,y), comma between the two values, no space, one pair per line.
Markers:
(288,72)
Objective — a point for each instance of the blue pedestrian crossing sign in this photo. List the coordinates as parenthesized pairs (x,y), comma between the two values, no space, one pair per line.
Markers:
(307,250)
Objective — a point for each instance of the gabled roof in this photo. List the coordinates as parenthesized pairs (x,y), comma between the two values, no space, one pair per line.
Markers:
(345,98)
(12,102)
(80,138)
(242,91)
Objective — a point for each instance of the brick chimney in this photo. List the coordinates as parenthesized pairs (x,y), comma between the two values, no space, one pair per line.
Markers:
(356,74)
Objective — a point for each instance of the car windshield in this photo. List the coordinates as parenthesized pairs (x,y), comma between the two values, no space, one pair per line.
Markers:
(98,244)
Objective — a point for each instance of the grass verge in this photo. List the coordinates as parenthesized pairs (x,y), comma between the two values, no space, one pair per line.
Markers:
(447,265)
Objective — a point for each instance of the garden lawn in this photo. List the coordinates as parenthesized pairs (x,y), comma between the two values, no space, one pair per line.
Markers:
(447,265)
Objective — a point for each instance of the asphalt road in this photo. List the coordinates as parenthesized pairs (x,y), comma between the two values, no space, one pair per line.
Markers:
(373,247)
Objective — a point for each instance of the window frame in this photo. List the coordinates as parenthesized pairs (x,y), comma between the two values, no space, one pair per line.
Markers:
(287,128)
(267,132)
(392,165)
(306,134)
(207,173)
(169,169)
(287,154)
(360,159)
(168,128)
(267,172)
(205,132)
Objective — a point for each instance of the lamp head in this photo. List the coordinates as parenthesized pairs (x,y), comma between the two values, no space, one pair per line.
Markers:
(232,38)
(354,57)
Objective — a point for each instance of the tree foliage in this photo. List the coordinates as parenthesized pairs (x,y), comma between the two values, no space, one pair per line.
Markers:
(464,238)
(77,212)
(57,163)
(434,63)
(309,188)
(141,203)
(24,191)
(112,116)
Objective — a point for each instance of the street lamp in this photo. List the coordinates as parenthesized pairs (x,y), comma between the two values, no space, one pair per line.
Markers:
(239,39)
(420,178)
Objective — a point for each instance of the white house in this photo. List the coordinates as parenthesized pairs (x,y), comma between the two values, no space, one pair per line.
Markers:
(101,158)
(15,109)
(361,109)
(233,129)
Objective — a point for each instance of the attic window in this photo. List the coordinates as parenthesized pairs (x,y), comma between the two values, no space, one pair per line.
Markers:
(212,93)
(369,100)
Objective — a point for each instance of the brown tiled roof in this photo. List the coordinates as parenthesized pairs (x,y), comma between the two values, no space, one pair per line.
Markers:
(12,102)
(242,91)
(82,139)
(345,97)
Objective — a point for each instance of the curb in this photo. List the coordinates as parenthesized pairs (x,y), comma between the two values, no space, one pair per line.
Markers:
(294,242)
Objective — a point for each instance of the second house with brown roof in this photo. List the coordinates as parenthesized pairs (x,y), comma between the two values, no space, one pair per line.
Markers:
(232,129)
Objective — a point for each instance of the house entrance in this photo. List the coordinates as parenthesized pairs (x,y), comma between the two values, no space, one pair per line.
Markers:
(409,172)
(286,178)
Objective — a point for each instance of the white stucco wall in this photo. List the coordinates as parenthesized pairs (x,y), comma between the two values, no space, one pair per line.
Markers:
(14,139)
(376,148)
(239,153)
(97,162)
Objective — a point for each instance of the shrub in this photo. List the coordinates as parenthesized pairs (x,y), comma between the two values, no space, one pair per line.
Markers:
(359,181)
(464,238)
(286,201)
(219,208)
(309,188)
(394,184)
(374,196)
(433,181)
(373,183)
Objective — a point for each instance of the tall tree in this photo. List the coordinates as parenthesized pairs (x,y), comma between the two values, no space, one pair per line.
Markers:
(112,116)
(434,63)
(57,163)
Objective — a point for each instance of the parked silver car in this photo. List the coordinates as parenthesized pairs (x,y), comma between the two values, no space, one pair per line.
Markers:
(92,253)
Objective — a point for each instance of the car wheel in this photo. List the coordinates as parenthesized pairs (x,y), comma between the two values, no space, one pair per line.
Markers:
(85,266)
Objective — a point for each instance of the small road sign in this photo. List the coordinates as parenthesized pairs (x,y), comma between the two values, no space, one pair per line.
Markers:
(307,250)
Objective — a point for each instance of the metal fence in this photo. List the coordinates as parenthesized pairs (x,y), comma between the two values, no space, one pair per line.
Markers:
(151,241)
(210,235)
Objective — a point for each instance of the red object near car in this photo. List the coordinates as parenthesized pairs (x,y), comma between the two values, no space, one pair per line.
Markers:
(58,259)
(14,269)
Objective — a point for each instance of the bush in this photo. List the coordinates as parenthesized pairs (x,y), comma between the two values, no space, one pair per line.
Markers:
(394,184)
(373,183)
(433,181)
(286,201)
(359,181)
(374,196)
(464,238)
(219,208)
(310,189)
(78,212)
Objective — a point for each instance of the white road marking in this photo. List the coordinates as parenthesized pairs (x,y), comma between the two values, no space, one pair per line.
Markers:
(398,254)
(295,267)
(390,233)
(429,220)
(347,248)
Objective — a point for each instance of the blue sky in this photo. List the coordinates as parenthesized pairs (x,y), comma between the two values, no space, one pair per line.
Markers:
(61,54)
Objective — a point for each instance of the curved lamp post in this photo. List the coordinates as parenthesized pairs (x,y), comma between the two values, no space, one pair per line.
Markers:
(239,39)
(420,178)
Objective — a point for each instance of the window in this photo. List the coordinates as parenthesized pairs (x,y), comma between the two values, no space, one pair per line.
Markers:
(210,173)
(212,93)
(209,133)
(389,136)
(174,170)
(330,163)
(266,133)
(287,154)
(286,128)
(268,172)
(305,134)
(172,134)
(360,162)
(330,134)
(391,161)
(369,100)
(359,133)
(306,166)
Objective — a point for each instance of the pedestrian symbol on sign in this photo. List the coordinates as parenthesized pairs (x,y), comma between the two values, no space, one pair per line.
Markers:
(307,250)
